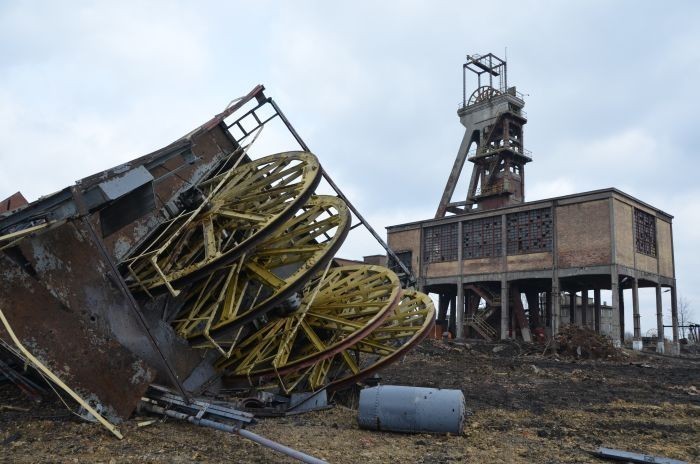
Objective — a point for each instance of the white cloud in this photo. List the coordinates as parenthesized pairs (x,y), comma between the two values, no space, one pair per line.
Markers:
(550,188)
(371,87)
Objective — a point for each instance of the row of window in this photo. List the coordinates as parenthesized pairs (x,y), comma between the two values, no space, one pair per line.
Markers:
(526,232)
(644,233)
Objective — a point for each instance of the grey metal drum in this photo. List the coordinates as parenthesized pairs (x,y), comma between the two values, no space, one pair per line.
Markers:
(411,409)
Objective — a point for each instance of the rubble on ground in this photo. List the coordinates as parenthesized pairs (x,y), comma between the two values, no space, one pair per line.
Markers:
(584,343)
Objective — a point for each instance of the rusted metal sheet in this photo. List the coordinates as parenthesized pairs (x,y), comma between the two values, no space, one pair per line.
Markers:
(60,287)
(78,349)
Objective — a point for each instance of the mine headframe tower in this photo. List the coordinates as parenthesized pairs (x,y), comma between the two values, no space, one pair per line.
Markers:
(493,117)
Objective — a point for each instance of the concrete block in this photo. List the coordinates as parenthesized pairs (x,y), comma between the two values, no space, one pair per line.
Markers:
(637,345)
(660,347)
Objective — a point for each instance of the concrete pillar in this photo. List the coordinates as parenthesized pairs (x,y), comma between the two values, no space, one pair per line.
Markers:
(505,305)
(572,308)
(676,349)
(659,321)
(596,310)
(453,313)
(584,308)
(460,311)
(443,303)
(622,314)
(533,308)
(637,340)
(460,283)
(615,316)
(548,309)
(555,304)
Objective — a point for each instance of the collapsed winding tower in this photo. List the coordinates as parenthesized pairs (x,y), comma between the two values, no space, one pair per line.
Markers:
(482,253)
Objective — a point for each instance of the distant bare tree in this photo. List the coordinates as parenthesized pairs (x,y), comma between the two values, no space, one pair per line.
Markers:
(685,313)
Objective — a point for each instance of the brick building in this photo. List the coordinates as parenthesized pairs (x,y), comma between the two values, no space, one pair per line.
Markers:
(494,247)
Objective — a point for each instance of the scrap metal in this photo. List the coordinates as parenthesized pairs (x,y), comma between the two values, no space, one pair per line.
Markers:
(197,265)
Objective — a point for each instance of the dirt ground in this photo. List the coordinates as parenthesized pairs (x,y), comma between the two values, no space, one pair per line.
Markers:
(525,407)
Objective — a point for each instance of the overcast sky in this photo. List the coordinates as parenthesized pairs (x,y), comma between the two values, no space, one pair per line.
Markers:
(373,87)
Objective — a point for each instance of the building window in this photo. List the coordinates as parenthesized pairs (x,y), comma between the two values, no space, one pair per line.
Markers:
(644,233)
(481,238)
(405,257)
(529,231)
(440,243)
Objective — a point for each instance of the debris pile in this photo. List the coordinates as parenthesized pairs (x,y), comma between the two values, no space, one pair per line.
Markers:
(582,342)
(200,267)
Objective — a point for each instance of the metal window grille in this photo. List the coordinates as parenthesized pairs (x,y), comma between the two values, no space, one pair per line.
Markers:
(481,238)
(405,257)
(529,231)
(440,243)
(644,233)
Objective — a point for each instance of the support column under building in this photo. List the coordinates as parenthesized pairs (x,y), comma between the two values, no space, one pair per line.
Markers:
(615,316)
(621,315)
(572,308)
(659,321)
(555,304)
(459,333)
(584,308)
(596,310)
(533,308)
(548,310)
(443,304)
(637,339)
(505,305)
(453,313)
(676,350)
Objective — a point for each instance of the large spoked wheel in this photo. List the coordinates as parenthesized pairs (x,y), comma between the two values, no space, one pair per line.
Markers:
(268,277)
(483,93)
(411,322)
(237,209)
(337,311)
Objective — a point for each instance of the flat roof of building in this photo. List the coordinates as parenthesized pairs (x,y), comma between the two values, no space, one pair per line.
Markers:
(565,199)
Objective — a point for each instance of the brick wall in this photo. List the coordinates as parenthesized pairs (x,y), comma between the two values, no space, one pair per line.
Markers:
(583,234)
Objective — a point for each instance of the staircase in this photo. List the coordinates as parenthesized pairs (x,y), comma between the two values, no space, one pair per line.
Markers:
(478,320)
(482,327)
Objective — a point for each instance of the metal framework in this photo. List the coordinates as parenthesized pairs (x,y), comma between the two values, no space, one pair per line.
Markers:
(481,238)
(529,231)
(337,310)
(644,232)
(269,276)
(407,326)
(488,66)
(239,207)
(440,243)
(493,119)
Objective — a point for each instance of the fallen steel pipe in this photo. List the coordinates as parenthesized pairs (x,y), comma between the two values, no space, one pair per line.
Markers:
(619,455)
(292,453)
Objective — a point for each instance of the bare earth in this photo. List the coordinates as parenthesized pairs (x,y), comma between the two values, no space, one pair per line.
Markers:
(526,408)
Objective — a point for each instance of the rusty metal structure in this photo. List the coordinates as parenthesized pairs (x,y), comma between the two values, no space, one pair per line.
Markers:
(502,267)
(493,117)
(198,266)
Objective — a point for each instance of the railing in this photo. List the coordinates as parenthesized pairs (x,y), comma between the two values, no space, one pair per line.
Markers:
(491,150)
(481,326)
(511,91)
